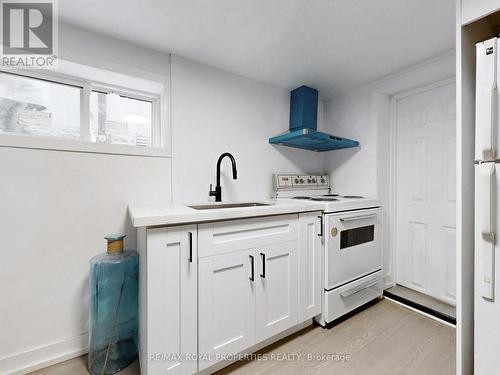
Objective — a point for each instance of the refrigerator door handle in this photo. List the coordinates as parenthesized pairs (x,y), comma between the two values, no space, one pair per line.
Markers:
(485,101)
(487,230)
(487,193)
(489,147)
(488,292)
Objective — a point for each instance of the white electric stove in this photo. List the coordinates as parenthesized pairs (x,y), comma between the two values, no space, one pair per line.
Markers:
(316,188)
(352,242)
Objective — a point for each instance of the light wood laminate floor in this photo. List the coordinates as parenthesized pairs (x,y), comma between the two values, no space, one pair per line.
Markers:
(383,339)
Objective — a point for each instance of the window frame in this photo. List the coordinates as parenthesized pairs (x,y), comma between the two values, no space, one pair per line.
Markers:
(159,131)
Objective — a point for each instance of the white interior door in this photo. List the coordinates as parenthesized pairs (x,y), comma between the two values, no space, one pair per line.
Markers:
(425,192)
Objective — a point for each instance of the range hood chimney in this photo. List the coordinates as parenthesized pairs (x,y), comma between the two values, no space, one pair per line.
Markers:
(303,131)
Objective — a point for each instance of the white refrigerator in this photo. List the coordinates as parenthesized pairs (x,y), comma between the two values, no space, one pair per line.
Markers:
(486,220)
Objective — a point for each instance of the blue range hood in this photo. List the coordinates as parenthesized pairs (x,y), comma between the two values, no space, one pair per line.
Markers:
(303,125)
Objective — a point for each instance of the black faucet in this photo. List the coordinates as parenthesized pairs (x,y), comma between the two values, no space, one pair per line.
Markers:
(217,193)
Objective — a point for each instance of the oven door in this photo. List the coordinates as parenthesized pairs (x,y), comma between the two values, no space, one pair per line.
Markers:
(353,246)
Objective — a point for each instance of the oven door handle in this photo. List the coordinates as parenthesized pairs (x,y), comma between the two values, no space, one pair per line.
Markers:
(359,217)
(358,288)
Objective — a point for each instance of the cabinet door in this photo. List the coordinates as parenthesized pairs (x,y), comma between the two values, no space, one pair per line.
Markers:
(226,305)
(309,280)
(171,300)
(276,279)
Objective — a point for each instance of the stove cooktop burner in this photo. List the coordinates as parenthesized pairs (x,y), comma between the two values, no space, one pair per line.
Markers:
(327,197)
(324,199)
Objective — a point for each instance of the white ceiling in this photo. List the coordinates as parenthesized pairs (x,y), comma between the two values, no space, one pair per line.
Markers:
(333,45)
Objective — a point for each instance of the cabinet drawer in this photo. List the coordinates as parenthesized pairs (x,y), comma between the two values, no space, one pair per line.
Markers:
(346,298)
(233,235)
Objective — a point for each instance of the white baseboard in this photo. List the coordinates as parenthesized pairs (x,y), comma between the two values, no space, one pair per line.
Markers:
(43,356)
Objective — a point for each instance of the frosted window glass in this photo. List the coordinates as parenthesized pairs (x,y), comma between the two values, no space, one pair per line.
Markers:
(37,107)
(120,120)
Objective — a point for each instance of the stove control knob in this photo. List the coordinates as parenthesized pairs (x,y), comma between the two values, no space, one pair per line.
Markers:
(313,180)
(296,180)
(309,180)
(301,181)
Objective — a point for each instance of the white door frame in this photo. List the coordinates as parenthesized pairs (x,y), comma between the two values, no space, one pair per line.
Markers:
(393,163)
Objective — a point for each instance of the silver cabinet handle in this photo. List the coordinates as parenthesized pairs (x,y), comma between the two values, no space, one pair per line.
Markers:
(359,217)
(358,288)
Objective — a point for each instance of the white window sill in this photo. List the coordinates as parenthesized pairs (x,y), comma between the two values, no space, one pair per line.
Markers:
(68,145)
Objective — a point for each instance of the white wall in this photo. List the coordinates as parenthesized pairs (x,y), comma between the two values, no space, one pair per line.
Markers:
(364,115)
(56,207)
(107,53)
(214,112)
(353,170)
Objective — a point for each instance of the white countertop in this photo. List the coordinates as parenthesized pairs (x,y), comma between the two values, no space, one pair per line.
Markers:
(157,214)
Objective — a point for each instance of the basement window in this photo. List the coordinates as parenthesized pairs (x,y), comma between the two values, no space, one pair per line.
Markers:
(64,113)
(37,107)
(120,119)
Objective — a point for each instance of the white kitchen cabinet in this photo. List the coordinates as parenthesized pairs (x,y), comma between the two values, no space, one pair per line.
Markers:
(245,297)
(276,284)
(221,288)
(168,300)
(309,267)
(226,305)
(475,9)
(248,276)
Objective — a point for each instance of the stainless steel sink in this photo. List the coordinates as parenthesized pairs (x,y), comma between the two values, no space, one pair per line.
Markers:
(227,205)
